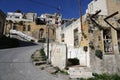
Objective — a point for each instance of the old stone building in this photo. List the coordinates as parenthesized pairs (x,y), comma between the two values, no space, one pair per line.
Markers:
(33,26)
(113,6)
(98,45)
(2,22)
(107,7)
(102,42)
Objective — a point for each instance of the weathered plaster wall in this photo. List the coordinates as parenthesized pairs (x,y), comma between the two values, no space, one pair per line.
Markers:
(34,31)
(113,6)
(57,54)
(84,57)
(109,64)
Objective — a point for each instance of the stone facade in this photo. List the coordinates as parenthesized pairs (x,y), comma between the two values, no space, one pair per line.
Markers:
(113,6)
(107,7)
(37,31)
(104,38)
(32,26)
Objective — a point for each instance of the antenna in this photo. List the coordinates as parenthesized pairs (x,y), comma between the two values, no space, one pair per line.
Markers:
(80,7)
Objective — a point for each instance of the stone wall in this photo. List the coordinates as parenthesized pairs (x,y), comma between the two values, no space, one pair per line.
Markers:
(59,53)
(109,64)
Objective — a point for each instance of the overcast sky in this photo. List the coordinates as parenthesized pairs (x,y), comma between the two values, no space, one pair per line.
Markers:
(69,8)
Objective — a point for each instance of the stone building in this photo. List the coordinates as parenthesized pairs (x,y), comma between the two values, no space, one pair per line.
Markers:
(98,46)
(2,22)
(107,7)
(102,43)
(31,25)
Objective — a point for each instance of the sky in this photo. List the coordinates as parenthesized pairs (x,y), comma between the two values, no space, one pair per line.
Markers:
(68,8)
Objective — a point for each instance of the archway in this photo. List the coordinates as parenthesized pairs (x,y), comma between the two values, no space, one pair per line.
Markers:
(41,31)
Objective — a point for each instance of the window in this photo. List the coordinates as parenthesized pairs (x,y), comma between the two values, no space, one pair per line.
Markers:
(24,28)
(14,27)
(29,28)
(17,17)
(76,40)
(62,37)
(41,33)
(108,49)
(50,17)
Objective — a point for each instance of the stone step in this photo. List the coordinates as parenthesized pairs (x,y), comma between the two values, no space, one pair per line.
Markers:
(80,72)
(79,68)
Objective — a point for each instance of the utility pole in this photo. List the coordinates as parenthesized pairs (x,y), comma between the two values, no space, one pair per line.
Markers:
(80,7)
(48,61)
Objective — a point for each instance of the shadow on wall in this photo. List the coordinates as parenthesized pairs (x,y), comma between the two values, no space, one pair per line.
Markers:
(6,42)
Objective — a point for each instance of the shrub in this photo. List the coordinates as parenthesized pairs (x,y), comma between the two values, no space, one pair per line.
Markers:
(92,46)
(42,53)
(43,40)
(103,76)
(99,54)
(84,35)
(64,72)
(85,48)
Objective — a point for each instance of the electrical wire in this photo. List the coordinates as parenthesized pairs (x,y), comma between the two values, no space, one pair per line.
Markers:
(44,4)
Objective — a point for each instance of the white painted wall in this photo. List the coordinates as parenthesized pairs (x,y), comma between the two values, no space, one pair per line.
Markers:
(58,34)
(84,57)
(57,54)
(69,33)
(96,5)
(12,16)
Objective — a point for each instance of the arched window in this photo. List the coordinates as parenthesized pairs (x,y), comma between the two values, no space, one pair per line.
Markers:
(41,33)
(24,28)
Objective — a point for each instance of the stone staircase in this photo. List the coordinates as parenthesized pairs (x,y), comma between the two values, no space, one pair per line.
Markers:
(21,36)
(80,72)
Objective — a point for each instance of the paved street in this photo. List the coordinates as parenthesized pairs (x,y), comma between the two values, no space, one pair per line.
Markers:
(15,64)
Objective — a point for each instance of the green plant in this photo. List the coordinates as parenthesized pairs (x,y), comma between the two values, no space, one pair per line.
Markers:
(99,54)
(100,27)
(84,35)
(92,46)
(90,30)
(64,72)
(42,53)
(32,56)
(103,76)
(36,59)
(43,40)
(85,48)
